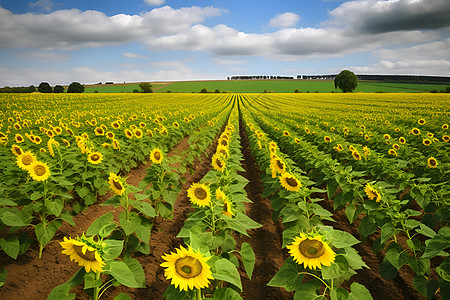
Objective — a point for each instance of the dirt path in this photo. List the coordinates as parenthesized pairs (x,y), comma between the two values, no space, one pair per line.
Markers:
(31,278)
(266,241)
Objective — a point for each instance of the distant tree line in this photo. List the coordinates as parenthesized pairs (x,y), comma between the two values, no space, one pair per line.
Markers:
(44,87)
(258,77)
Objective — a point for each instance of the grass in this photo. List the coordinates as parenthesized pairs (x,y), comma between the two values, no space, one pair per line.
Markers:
(276,86)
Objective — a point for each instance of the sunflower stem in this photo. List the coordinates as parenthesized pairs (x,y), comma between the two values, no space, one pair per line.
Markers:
(199,294)
(97,288)
(41,247)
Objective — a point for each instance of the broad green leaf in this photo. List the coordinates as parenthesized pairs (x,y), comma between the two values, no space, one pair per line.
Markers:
(388,230)
(130,225)
(337,268)
(11,246)
(226,271)
(354,259)
(248,258)
(122,296)
(241,223)
(287,276)
(90,282)
(387,270)
(308,290)
(12,219)
(112,249)
(145,208)
(55,207)
(226,294)
(62,291)
(358,292)
(99,223)
(341,239)
(122,273)
(444,270)
(339,294)
(426,231)
(136,268)
(143,231)
(44,234)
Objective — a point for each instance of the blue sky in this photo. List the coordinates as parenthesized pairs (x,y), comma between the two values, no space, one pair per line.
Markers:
(60,41)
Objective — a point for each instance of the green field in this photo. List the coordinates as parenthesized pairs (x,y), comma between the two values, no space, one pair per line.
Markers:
(277,86)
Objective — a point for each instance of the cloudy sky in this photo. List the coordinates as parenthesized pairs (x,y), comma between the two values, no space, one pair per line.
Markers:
(61,41)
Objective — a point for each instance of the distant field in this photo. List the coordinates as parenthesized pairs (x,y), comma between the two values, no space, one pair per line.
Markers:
(258,86)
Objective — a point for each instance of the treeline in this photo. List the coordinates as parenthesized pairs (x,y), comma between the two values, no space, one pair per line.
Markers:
(44,87)
(258,77)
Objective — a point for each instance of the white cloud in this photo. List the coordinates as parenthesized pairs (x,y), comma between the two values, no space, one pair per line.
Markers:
(432,67)
(133,55)
(74,29)
(43,56)
(46,5)
(154,2)
(222,61)
(435,50)
(286,19)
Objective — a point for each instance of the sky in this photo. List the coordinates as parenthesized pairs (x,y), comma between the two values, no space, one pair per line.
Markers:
(61,41)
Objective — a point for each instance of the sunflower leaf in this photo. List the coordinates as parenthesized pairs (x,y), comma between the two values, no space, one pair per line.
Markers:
(287,276)
(248,258)
(122,273)
(225,270)
(100,223)
(11,246)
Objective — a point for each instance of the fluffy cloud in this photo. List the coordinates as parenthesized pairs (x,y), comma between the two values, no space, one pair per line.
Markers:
(73,29)
(154,2)
(377,16)
(287,19)
(133,55)
(43,56)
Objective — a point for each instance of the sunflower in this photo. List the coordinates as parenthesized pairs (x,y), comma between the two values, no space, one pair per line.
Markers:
(86,256)
(16,150)
(387,136)
(223,142)
(372,193)
(187,269)
(415,131)
(199,194)
(421,121)
(432,162)
(115,144)
(25,160)
(290,182)
(356,155)
(142,124)
(137,133)
(445,126)
(397,129)
(396,146)
(286,133)
(19,138)
(401,140)
(366,151)
(426,142)
(223,151)
(128,133)
(218,162)
(226,203)
(338,148)
(95,157)
(277,165)
(99,131)
(446,138)
(156,156)
(312,251)
(176,125)
(149,132)
(327,139)
(66,142)
(392,152)
(115,125)
(116,183)
(39,171)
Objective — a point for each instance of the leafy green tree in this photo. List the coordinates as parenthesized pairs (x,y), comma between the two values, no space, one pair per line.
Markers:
(58,89)
(75,87)
(204,90)
(44,87)
(146,87)
(346,81)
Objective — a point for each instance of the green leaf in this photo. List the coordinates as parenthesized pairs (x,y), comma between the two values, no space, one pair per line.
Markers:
(11,246)
(145,208)
(331,187)
(339,294)
(426,288)
(354,259)
(122,273)
(226,294)
(341,239)
(144,230)
(248,258)
(226,271)
(437,244)
(112,248)
(444,270)
(367,226)
(129,226)
(388,230)
(136,268)
(37,195)
(62,291)
(90,282)
(426,231)
(45,234)
(337,268)
(358,292)
(55,207)
(99,223)
(241,223)
(308,290)
(82,191)
(287,276)
(350,212)
(3,275)
(122,296)
(11,219)
(387,270)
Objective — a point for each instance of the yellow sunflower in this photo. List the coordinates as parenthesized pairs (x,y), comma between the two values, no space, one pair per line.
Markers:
(277,165)
(392,152)
(116,183)
(401,140)
(187,269)
(218,162)
(156,156)
(128,133)
(223,151)
(426,142)
(95,157)
(445,126)
(290,182)
(432,162)
(446,138)
(415,131)
(223,142)
(99,131)
(312,251)
(356,155)
(421,121)
(85,255)
(372,193)
(199,194)
(25,160)
(16,150)
(327,139)
(19,138)
(39,171)
(227,211)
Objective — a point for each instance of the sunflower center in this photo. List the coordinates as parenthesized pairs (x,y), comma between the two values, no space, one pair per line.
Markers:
(17,150)
(432,162)
(219,163)
(292,182)
(27,160)
(117,185)
(224,142)
(95,157)
(311,248)
(89,255)
(157,155)
(200,193)
(280,164)
(39,170)
(188,267)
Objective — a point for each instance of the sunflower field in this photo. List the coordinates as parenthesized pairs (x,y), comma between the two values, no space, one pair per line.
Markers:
(224,196)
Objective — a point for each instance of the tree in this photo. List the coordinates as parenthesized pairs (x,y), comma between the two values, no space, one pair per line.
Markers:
(58,89)
(346,81)
(75,87)
(204,90)
(44,87)
(146,87)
